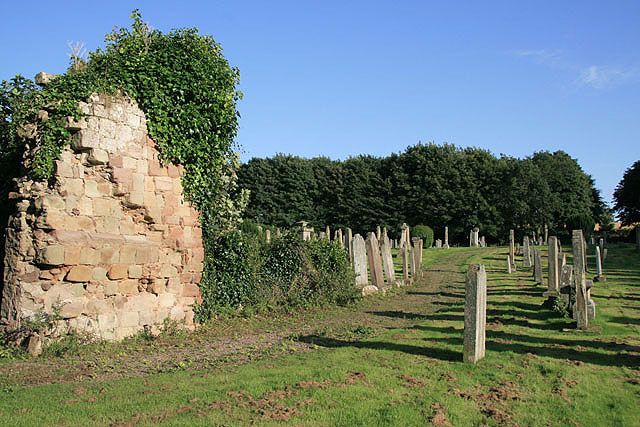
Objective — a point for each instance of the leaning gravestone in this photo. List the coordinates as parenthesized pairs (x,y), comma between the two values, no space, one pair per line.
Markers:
(475,313)
(360,260)
(580,280)
(375,261)
(387,260)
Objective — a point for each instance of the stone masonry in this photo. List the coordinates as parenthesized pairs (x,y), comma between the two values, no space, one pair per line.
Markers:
(109,243)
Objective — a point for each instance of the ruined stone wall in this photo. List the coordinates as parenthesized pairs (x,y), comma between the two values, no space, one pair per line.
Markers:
(109,243)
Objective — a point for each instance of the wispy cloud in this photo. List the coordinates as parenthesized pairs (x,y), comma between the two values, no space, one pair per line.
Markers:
(592,76)
(601,77)
(542,56)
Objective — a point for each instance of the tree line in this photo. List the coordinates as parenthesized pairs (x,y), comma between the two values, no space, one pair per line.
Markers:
(436,185)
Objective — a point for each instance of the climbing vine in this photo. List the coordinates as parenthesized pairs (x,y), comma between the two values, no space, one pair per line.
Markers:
(186,88)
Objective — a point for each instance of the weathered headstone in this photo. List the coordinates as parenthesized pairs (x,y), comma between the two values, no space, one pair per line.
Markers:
(552,258)
(438,243)
(327,232)
(418,244)
(267,235)
(566,280)
(474,238)
(405,263)
(483,243)
(599,276)
(348,242)
(512,250)
(359,251)
(509,271)
(526,252)
(475,313)
(537,267)
(375,261)
(404,228)
(305,230)
(378,233)
(387,260)
(446,238)
(580,279)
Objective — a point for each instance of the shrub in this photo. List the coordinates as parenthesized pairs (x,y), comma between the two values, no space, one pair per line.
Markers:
(285,274)
(425,233)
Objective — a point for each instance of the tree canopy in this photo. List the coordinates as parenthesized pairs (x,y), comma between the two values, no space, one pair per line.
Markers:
(438,185)
(627,195)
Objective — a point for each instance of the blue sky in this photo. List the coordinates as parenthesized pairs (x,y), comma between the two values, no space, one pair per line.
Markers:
(341,78)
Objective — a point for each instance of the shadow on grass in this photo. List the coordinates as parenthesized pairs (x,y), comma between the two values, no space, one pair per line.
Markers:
(434,353)
(572,350)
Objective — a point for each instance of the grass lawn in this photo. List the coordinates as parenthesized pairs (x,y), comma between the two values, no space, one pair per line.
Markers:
(392,360)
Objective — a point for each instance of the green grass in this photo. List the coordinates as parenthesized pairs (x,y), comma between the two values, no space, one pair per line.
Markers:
(396,362)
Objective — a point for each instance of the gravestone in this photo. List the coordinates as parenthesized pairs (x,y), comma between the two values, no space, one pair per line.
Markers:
(553,278)
(579,272)
(438,243)
(475,313)
(483,244)
(537,267)
(387,260)
(509,271)
(591,305)
(405,263)
(267,235)
(526,253)
(305,230)
(404,232)
(378,233)
(360,260)
(375,261)
(446,238)
(327,233)
(348,242)
(418,244)
(474,238)
(599,276)
(546,235)
(512,249)
(566,281)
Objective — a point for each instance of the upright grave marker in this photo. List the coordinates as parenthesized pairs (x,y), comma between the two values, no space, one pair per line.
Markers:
(579,272)
(360,260)
(348,241)
(446,238)
(475,313)
(553,279)
(405,263)
(537,267)
(599,276)
(526,253)
(512,249)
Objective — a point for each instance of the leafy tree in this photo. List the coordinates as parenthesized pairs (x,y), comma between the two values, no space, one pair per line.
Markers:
(627,195)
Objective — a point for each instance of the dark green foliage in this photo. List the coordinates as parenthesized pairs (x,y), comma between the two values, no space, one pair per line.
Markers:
(440,185)
(286,274)
(423,232)
(627,195)
(582,222)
